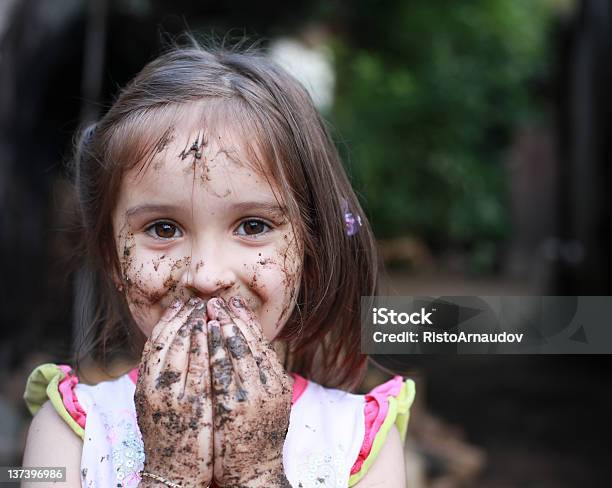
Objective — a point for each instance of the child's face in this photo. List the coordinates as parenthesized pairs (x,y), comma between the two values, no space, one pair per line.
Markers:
(204,226)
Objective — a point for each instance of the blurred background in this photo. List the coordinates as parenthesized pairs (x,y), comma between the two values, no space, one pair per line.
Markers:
(477,134)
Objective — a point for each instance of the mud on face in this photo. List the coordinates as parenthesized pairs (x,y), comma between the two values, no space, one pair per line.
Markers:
(199,160)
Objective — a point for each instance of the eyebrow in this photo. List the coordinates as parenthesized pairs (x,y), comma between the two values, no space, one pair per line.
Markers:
(238,207)
(144,209)
(268,207)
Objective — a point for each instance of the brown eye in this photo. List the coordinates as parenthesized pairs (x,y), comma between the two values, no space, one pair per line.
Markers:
(164,230)
(253,227)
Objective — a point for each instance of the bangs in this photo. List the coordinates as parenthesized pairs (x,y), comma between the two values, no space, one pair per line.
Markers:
(209,127)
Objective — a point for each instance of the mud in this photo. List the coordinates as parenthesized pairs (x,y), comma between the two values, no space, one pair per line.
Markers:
(198,326)
(222,375)
(158,261)
(137,291)
(291,276)
(168,451)
(160,146)
(241,395)
(215,340)
(237,345)
(194,150)
(262,375)
(253,442)
(167,378)
(222,415)
(184,331)
(220,313)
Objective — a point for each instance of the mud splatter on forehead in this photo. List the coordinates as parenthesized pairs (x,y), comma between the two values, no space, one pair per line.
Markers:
(142,138)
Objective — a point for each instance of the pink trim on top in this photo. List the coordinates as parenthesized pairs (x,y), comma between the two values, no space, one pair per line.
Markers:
(69,399)
(134,375)
(299,384)
(375,412)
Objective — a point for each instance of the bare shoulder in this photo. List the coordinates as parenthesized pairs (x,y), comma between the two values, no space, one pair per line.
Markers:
(388,469)
(51,442)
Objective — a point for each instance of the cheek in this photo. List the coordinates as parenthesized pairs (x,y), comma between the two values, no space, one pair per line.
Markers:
(152,278)
(275,277)
(150,281)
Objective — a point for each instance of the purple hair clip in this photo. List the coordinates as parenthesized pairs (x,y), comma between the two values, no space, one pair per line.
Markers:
(351,222)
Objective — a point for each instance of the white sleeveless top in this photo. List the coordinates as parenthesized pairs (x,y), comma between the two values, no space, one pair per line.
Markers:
(333,436)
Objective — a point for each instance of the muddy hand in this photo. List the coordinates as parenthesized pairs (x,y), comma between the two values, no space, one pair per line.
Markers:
(173,402)
(251,395)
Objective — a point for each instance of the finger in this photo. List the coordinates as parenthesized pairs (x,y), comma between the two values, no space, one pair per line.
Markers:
(160,331)
(197,389)
(168,330)
(252,360)
(174,370)
(197,381)
(217,310)
(221,370)
(171,340)
(168,315)
(178,356)
(246,369)
(239,308)
(251,329)
(170,312)
(269,369)
(221,384)
(152,354)
(228,314)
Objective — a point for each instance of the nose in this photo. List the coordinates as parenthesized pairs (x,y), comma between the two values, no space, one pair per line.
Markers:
(211,270)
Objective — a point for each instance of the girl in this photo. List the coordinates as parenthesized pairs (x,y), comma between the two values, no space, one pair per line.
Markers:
(226,249)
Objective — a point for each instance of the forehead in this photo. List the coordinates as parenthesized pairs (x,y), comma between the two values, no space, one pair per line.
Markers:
(210,128)
(199,151)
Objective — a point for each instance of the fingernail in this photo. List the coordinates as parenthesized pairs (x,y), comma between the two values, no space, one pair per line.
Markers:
(216,303)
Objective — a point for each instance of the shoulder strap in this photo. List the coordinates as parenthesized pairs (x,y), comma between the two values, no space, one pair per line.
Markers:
(55,383)
(386,405)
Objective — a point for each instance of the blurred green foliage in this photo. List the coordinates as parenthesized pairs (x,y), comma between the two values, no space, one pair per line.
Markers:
(427,107)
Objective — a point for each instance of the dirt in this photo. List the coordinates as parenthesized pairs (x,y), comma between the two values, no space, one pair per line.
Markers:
(166,378)
(237,345)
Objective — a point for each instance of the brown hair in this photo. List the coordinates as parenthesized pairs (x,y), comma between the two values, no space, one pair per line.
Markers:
(323,332)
